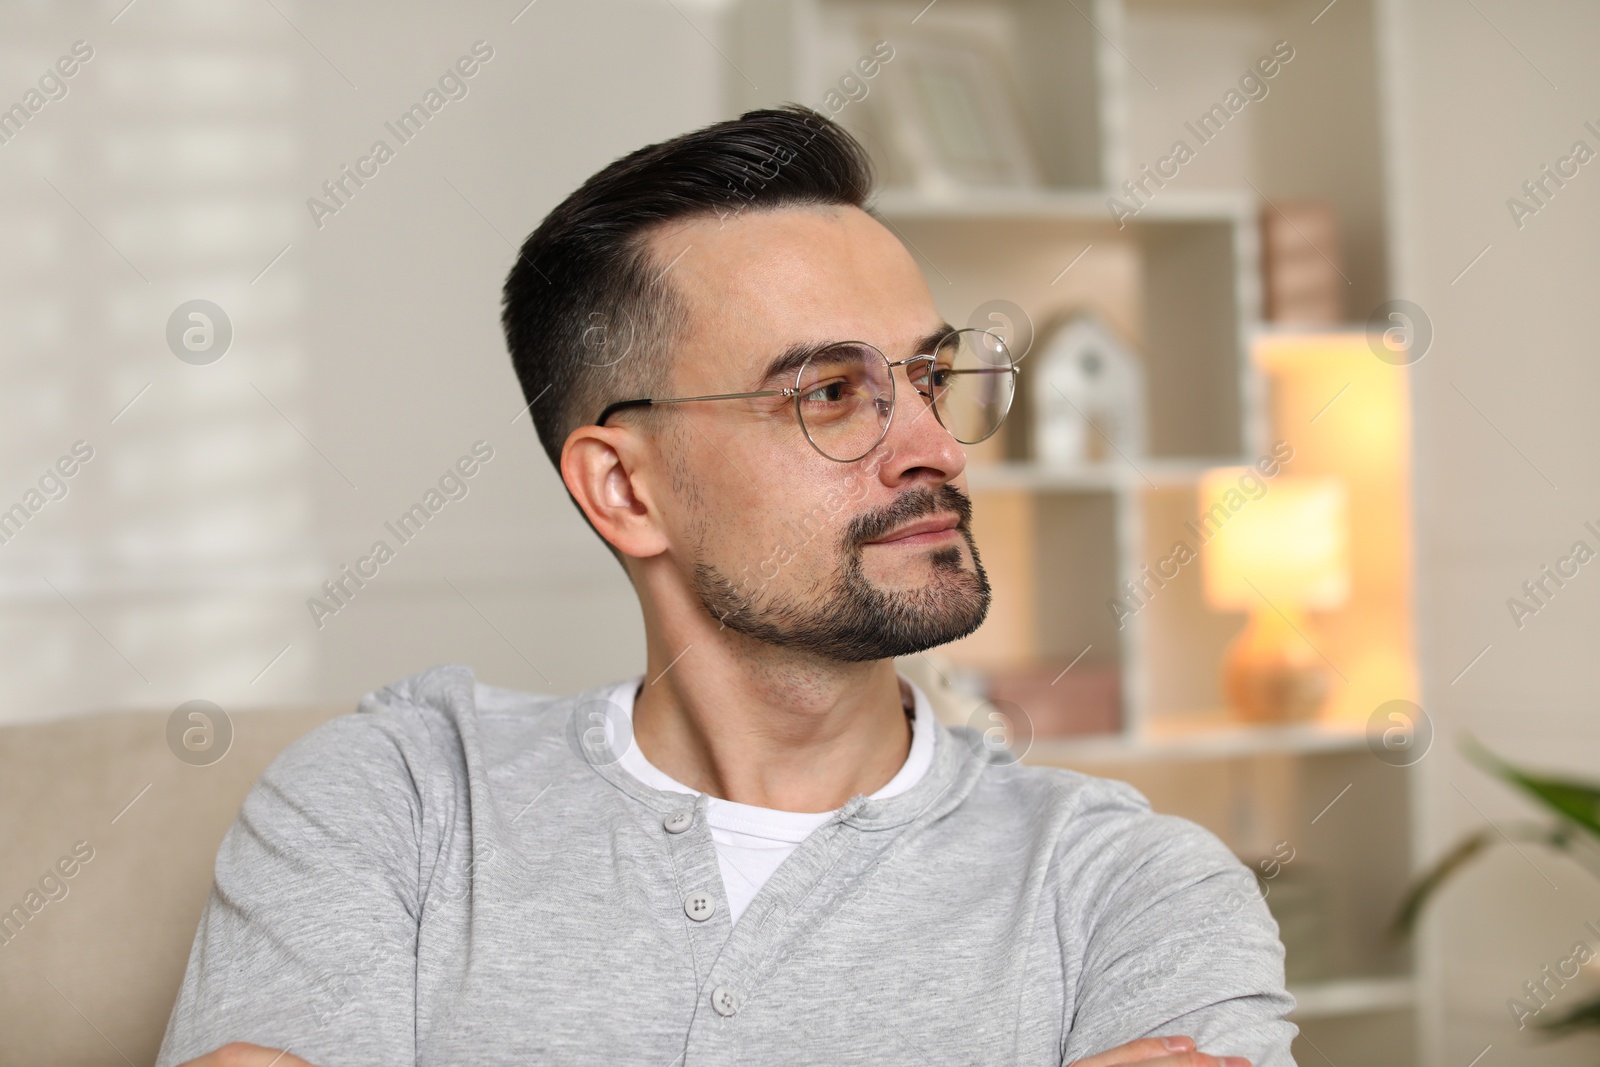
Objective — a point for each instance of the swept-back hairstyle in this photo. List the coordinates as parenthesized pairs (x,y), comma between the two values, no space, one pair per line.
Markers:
(588,314)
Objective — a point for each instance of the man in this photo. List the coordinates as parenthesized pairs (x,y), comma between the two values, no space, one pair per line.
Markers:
(764,849)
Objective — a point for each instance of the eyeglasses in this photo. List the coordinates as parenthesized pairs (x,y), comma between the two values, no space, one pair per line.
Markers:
(844,394)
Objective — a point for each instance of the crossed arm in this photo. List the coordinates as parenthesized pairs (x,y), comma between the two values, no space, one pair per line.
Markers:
(1149,1051)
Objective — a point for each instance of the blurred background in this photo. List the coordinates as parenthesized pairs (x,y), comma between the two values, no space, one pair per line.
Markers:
(1295,503)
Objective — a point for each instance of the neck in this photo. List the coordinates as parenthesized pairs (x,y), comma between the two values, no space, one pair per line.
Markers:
(756,724)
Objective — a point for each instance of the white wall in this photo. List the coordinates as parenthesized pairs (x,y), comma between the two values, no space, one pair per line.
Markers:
(364,361)
(1484,94)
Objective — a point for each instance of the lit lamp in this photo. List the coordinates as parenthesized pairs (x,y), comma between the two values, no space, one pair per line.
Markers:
(1278,554)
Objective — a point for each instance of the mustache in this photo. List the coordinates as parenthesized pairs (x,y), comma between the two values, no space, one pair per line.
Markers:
(909,506)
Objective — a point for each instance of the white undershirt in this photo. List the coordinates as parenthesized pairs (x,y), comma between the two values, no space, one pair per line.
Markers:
(753,841)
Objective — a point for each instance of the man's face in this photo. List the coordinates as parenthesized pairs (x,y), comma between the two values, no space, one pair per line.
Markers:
(849,561)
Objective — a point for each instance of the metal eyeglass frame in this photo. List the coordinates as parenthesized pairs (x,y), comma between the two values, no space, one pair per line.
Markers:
(795,393)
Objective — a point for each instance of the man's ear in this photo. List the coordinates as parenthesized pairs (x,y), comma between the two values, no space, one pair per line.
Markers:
(604,471)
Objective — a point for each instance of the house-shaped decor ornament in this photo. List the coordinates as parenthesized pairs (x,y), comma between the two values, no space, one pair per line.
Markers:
(1088,385)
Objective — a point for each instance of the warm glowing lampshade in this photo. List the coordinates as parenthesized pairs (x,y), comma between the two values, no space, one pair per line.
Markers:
(1287,537)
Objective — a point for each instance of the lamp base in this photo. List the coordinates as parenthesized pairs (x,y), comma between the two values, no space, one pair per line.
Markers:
(1271,674)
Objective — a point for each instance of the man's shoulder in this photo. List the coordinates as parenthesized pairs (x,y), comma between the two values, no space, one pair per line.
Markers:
(1056,790)
(451,691)
(451,696)
(437,721)
(1103,824)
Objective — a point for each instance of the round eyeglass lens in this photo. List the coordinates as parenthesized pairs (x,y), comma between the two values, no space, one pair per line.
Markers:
(973,383)
(845,398)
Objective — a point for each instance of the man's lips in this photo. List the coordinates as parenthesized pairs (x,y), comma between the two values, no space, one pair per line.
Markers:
(924,532)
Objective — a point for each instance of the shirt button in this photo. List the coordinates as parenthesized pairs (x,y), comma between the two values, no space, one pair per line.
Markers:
(699,907)
(724,1000)
(678,821)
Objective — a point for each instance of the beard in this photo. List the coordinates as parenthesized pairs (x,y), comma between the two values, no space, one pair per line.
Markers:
(849,619)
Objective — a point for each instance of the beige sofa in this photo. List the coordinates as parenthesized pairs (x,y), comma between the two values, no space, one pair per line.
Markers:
(89,977)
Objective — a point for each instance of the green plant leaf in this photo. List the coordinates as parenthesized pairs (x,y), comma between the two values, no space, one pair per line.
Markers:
(1425,886)
(1582,1017)
(1576,801)
(1423,889)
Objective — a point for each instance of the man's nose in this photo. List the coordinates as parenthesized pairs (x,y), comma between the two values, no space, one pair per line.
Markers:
(918,447)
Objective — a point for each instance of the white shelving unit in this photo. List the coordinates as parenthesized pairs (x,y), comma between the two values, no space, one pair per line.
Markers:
(1214,736)
(1325,1000)
(1181,281)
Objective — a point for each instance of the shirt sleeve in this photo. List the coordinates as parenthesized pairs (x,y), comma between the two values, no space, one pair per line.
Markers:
(1175,939)
(308,938)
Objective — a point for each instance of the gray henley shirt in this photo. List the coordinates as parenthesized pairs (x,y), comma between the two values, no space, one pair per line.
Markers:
(460,873)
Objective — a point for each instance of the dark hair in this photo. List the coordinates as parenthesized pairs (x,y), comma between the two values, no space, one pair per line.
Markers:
(587,315)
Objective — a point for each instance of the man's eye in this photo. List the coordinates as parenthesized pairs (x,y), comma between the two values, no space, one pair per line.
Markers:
(826,392)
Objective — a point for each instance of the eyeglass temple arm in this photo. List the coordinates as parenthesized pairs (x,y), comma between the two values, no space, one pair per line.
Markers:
(610,409)
(645,402)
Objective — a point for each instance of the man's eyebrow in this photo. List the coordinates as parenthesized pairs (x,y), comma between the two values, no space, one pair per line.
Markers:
(788,362)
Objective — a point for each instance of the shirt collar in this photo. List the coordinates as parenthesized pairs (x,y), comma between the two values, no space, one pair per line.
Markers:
(599,729)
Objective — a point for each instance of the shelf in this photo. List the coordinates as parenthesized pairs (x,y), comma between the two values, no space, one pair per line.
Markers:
(1210,736)
(1352,996)
(1061,205)
(1003,477)
(1134,473)
(1295,333)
